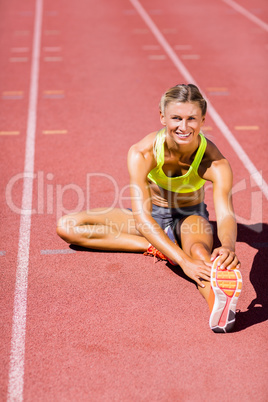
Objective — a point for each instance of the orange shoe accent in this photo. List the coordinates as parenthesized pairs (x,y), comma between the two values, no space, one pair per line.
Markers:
(239,275)
(229,293)
(211,300)
(226,286)
(152,251)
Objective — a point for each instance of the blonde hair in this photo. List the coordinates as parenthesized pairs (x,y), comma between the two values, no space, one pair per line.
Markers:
(183,93)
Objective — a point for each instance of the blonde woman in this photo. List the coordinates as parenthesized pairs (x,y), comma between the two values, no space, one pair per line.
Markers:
(169,219)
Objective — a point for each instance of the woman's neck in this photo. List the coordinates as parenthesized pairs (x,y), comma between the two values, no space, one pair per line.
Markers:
(183,151)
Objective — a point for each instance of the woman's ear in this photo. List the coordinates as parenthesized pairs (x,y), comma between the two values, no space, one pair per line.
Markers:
(162,119)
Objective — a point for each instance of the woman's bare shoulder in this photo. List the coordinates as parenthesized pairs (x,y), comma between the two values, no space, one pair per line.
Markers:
(145,145)
(214,162)
(212,151)
(141,158)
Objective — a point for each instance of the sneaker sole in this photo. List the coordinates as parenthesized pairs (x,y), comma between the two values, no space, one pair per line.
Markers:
(227,286)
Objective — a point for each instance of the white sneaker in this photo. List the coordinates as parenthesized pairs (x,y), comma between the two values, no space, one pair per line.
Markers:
(226,286)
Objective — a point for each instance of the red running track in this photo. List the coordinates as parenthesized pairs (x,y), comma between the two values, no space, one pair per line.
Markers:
(113,326)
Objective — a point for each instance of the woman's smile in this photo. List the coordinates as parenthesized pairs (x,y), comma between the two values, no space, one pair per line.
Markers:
(183,135)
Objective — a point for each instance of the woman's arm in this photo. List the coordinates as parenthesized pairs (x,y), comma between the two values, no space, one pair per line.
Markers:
(139,165)
(222,179)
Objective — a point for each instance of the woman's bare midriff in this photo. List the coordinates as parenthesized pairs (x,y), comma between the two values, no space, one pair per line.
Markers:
(169,199)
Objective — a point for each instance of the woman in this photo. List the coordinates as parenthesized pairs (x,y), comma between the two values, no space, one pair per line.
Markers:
(169,219)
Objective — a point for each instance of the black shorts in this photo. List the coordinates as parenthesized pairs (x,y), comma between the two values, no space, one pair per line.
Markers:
(168,218)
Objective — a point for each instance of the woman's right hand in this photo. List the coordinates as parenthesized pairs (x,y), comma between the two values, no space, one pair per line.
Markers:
(196,270)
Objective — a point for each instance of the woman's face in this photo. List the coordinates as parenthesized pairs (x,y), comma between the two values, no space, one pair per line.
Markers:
(183,121)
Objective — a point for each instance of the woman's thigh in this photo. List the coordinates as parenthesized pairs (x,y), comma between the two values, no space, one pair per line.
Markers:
(119,220)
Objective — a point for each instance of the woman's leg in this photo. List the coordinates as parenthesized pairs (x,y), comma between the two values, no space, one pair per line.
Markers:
(196,237)
(102,229)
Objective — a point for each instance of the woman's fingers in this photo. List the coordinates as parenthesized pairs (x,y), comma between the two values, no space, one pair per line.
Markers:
(231,261)
(199,282)
(227,258)
(203,277)
(214,254)
(203,274)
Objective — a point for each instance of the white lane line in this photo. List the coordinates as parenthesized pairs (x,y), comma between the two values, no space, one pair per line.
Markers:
(16,369)
(247,14)
(211,110)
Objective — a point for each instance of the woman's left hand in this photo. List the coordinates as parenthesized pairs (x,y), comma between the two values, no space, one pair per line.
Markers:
(228,259)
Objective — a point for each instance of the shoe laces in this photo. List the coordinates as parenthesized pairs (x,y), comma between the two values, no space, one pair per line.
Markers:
(153,252)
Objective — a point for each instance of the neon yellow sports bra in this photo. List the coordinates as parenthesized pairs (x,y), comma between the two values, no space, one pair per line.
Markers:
(187,183)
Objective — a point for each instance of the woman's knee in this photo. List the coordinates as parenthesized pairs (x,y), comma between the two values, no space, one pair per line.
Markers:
(200,250)
(196,236)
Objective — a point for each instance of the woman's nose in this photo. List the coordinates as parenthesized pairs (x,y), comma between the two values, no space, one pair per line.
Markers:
(183,125)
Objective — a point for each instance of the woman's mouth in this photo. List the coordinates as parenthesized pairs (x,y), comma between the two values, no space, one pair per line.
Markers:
(181,135)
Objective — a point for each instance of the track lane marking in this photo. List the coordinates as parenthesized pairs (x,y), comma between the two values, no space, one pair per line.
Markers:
(150,47)
(53,91)
(261,183)
(52,13)
(217,89)
(19,49)
(9,132)
(54,132)
(247,127)
(52,49)
(10,95)
(17,353)
(18,59)
(170,30)
(21,33)
(53,94)
(183,47)
(7,93)
(247,14)
(190,56)
(51,32)
(52,59)
(157,57)
(55,251)
(138,31)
